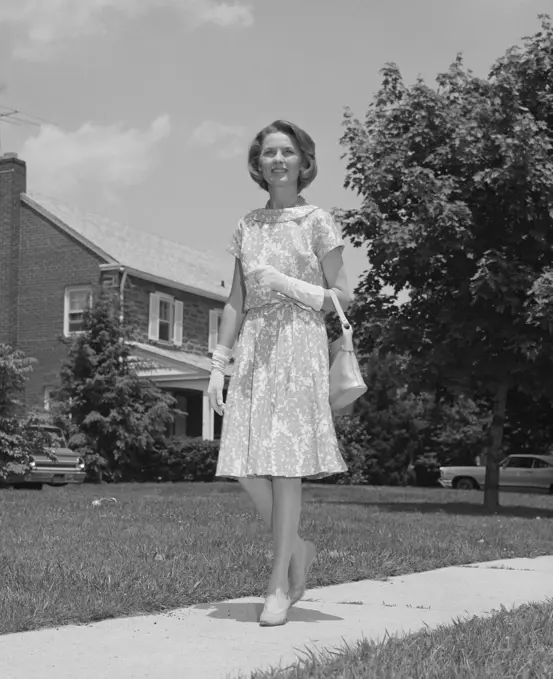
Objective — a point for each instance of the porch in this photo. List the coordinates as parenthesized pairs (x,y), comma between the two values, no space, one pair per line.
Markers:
(186,377)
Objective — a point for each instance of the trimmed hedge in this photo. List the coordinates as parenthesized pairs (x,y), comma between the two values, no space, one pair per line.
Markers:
(194,459)
(187,459)
(369,462)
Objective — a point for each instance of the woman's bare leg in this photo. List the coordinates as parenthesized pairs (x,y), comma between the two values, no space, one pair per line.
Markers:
(261,493)
(285,522)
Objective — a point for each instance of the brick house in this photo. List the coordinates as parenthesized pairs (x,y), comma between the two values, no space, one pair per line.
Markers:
(53,257)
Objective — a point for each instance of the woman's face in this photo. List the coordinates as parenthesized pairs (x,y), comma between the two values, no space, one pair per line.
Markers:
(280,160)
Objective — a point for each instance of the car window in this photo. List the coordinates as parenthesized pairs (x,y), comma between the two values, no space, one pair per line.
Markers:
(54,437)
(520,462)
(541,464)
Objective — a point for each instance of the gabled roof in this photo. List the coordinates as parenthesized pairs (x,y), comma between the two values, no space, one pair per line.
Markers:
(197,271)
(175,358)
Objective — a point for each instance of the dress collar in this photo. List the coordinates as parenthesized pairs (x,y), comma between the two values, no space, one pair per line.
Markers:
(300,201)
(299,209)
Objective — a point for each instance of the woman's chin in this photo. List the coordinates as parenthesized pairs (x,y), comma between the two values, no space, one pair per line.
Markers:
(281,180)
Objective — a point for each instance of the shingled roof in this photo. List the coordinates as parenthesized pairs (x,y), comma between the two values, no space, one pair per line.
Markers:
(196,270)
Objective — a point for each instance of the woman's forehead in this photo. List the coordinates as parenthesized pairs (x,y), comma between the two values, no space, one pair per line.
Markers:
(278,140)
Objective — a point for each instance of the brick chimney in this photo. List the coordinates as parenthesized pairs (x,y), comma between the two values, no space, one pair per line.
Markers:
(13,182)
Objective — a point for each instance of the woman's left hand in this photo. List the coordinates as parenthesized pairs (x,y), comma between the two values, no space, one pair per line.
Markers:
(268,277)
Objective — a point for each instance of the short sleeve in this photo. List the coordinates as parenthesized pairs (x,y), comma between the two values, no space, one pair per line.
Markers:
(235,245)
(326,235)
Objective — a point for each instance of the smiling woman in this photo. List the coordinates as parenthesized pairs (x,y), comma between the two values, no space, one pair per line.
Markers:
(283,154)
(278,426)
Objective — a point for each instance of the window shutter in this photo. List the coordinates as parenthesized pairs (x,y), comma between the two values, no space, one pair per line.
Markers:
(153,319)
(177,330)
(213,330)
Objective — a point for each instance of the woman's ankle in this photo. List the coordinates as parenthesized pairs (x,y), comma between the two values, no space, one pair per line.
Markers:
(280,590)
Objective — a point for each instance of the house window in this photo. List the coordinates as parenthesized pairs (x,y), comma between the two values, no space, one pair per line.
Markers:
(77,301)
(165,323)
(165,319)
(215,316)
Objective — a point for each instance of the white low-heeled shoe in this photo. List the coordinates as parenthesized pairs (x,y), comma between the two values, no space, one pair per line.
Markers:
(275,610)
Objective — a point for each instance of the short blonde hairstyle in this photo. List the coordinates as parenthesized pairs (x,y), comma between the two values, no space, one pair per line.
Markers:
(303,141)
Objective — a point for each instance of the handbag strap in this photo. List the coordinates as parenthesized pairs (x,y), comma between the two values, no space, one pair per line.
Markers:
(338,307)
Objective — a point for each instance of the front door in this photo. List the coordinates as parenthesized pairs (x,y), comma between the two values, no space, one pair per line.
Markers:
(188,423)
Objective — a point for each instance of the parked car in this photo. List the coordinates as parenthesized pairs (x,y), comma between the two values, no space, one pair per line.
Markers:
(61,467)
(516,472)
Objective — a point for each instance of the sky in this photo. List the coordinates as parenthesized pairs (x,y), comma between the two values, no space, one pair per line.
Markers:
(144,109)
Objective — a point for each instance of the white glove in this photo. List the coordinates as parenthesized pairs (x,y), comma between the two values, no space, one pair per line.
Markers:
(219,361)
(215,391)
(306,293)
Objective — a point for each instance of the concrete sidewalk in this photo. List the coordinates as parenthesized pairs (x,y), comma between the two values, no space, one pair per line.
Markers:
(216,641)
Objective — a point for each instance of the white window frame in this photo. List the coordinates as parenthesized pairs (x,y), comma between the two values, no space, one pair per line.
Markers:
(175,322)
(66,306)
(215,316)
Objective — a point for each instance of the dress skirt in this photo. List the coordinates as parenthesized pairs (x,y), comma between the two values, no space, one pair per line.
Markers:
(277,419)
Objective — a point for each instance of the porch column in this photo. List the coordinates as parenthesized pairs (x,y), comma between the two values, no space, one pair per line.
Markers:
(208,418)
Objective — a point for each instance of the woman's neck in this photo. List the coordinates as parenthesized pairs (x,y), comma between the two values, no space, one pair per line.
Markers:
(282,197)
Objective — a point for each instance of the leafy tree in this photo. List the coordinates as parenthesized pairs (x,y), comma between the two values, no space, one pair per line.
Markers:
(17,441)
(14,370)
(383,434)
(118,419)
(460,432)
(529,424)
(457,208)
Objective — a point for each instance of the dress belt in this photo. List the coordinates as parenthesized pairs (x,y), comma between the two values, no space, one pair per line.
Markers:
(282,304)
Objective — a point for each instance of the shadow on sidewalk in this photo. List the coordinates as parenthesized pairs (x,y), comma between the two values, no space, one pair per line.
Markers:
(464,508)
(250,612)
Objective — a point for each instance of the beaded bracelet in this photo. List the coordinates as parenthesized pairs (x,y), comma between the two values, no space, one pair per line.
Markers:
(221,358)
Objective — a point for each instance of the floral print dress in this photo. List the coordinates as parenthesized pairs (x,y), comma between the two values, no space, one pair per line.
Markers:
(277,419)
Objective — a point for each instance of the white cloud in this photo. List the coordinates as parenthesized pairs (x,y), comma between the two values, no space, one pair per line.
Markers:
(227,140)
(221,14)
(43,27)
(103,158)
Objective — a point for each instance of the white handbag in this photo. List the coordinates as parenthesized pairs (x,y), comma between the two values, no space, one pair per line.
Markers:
(346,384)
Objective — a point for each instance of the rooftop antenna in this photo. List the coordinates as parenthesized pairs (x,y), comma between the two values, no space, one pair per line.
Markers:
(13,116)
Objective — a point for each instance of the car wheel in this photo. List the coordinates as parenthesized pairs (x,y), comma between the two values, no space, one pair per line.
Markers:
(465,484)
(28,486)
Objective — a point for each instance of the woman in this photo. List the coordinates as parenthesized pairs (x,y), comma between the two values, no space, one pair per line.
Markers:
(277,425)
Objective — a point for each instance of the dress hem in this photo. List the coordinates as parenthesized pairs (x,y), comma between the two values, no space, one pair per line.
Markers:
(313,477)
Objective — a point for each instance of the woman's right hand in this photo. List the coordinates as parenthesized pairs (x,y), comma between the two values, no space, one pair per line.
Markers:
(215,391)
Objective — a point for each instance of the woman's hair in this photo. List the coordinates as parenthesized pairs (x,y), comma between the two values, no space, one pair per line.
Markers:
(303,141)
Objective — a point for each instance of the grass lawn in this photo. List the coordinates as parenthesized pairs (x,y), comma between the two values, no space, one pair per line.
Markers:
(508,645)
(64,560)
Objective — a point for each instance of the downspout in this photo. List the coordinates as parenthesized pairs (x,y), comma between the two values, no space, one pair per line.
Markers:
(122,302)
(122,294)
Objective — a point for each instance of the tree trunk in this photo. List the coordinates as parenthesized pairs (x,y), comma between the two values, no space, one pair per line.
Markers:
(493,457)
